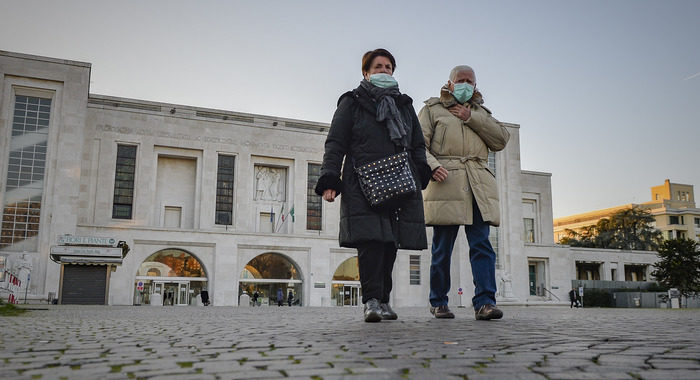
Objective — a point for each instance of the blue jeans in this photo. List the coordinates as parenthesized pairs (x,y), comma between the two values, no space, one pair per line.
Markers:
(481,256)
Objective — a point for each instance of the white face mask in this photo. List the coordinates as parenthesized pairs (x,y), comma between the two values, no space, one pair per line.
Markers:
(383,80)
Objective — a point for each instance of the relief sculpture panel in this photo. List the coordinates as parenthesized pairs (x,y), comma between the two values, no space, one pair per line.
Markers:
(270,183)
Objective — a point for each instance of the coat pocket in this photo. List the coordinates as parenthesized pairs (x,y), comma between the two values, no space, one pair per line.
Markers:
(439,138)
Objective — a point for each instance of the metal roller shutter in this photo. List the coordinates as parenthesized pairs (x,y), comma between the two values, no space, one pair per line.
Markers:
(84,284)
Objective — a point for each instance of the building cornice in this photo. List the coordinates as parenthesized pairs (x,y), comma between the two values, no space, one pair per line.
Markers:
(205,114)
(44,59)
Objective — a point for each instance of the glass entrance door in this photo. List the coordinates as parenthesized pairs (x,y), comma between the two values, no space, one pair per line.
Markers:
(183,294)
(351,295)
(533,279)
(170,294)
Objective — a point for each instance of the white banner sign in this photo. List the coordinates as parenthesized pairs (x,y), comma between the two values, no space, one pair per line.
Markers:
(87,240)
(86,251)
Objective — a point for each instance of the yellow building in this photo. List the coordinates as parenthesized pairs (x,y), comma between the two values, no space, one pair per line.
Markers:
(672,205)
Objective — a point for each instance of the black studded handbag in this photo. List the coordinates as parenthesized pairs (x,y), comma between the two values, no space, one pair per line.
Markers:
(388,182)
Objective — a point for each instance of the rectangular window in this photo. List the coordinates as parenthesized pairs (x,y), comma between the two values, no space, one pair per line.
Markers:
(697,222)
(25,173)
(124,182)
(2,268)
(672,220)
(224,190)
(313,201)
(493,239)
(669,235)
(414,269)
(172,217)
(529,232)
(491,161)
(267,222)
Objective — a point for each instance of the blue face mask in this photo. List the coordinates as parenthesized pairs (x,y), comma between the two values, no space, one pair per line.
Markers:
(463,92)
(383,80)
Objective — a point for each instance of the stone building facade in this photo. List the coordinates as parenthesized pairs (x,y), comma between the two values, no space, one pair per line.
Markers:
(216,201)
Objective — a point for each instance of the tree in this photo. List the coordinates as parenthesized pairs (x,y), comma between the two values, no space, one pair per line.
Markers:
(629,229)
(679,265)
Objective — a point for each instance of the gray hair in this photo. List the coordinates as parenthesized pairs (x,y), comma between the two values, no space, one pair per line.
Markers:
(459,69)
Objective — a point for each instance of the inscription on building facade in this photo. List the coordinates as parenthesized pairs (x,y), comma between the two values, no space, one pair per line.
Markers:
(207,139)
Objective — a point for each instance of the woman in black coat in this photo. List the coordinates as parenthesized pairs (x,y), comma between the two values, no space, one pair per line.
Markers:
(372,122)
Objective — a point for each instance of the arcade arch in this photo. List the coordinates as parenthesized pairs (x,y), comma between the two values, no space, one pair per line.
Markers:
(346,289)
(266,274)
(170,277)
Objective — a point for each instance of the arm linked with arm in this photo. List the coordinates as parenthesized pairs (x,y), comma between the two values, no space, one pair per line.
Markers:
(428,128)
(418,151)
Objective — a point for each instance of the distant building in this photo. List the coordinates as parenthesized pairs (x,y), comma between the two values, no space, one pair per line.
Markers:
(672,205)
(214,203)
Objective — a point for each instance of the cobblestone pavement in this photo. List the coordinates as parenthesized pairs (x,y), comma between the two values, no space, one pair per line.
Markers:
(100,342)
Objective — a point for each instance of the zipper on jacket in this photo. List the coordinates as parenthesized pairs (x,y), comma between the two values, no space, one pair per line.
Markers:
(398,241)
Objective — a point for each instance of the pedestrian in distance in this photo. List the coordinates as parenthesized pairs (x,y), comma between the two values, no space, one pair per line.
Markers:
(290,298)
(372,122)
(573,297)
(205,297)
(280,297)
(256,295)
(459,132)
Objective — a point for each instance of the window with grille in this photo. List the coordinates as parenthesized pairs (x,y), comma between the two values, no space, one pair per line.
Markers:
(493,239)
(414,270)
(313,201)
(224,190)
(124,182)
(491,161)
(26,169)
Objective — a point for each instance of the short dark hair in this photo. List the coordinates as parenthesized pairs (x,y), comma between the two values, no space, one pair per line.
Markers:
(372,54)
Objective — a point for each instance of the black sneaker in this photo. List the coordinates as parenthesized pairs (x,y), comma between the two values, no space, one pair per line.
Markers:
(373,313)
(487,312)
(441,312)
(387,313)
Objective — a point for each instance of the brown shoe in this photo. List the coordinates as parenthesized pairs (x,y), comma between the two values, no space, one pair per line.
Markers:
(441,312)
(487,312)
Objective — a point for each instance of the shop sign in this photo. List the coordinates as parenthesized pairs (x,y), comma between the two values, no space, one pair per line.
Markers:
(87,240)
(86,251)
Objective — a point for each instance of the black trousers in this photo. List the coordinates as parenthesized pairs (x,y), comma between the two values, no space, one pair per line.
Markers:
(376,262)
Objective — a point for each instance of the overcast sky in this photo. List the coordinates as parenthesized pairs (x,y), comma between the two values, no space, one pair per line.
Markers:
(606,93)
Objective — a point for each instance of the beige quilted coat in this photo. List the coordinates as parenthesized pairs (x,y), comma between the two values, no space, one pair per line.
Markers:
(462,148)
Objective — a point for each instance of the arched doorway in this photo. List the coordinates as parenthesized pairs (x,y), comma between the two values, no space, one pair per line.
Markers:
(170,277)
(268,273)
(346,290)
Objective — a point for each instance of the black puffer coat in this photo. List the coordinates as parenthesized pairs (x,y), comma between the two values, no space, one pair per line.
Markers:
(355,133)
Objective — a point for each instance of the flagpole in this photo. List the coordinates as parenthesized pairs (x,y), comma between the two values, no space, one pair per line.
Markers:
(278,226)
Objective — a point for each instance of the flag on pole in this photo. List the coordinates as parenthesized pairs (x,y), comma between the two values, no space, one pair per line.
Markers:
(272,215)
(282,213)
(291,212)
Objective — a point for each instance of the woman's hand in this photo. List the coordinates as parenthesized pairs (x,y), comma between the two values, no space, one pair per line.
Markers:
(440,174)
(329,195)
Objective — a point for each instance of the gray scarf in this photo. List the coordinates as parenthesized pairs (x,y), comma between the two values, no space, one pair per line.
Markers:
(387,110)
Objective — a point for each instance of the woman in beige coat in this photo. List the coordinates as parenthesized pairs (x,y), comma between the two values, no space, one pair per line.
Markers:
(459,132)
